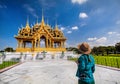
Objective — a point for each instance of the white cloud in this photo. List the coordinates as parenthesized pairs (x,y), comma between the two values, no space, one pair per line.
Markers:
(47,4)
(111,33)
(3,6)
(83,24)
(69,32)
(110,39)
(118,22)
(92,39)
(83,15)
(79,1)
(75,28)
(118,34)
(97,12)
(62,28)
(102,40)
(30,9)
(98,42)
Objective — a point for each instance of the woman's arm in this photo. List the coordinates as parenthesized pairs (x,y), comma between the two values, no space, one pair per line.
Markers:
(81,64)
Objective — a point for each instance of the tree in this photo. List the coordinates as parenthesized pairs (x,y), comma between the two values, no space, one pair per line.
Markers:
(9,49)
(99,50)
(110,50)
(95,50)
(117,46)
(74,49)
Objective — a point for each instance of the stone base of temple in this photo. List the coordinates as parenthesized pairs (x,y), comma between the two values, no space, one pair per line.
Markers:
(40,49)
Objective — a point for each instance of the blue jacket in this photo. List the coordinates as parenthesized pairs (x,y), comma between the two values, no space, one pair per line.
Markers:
(86,67)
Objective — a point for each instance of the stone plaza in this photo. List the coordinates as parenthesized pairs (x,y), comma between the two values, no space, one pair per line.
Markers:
(53,71)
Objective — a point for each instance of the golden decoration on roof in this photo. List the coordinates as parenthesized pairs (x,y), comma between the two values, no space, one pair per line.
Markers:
(40,37)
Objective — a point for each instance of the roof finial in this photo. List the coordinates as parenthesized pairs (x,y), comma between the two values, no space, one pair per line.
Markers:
(47,22)
(42,18)
(37,19)
(27,23)
(56,26)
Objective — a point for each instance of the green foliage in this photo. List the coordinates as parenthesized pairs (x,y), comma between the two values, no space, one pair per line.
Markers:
(1,50)
(104,50)
(73,59)
(9,49)
(100,50)
(108,61)
(74,49)
(117,46)
(7,64)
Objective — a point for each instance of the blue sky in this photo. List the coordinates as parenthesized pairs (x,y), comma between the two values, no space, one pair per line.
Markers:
(94,21)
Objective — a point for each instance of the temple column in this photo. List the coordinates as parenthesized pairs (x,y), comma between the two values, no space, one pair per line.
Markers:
(32,48)
(50,43)
(24,44)
(18,45)
(59,45)
(46,42)
(63,44)
(21,44)
(53,44)
(39,43)
(32,44)
(35,43)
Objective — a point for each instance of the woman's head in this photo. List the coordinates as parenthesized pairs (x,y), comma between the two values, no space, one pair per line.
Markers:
(84,48)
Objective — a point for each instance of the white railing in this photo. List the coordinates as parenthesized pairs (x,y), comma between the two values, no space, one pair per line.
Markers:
(26,56)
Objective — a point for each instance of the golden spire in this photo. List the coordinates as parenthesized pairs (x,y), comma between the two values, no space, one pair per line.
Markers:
(56,27)
(37,21)
(47,22)
(27,24)
(42,23)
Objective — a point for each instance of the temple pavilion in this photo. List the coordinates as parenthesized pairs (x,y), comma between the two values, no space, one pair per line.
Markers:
(40,37)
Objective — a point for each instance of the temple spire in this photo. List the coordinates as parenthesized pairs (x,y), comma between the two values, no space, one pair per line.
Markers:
(56,26)
(37,21)
(42,18)
(27,24)
(47,22)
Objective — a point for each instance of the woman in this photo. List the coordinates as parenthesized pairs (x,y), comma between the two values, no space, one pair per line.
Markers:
(86,65)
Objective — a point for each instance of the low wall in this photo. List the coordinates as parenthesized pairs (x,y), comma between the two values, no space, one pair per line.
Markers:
(25,56)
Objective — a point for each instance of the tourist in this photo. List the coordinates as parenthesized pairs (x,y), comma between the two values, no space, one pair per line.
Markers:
(86,65)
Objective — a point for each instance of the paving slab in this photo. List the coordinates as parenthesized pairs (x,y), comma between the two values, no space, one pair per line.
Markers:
(54,71)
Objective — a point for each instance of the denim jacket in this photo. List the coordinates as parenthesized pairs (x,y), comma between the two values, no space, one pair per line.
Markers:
(86,67)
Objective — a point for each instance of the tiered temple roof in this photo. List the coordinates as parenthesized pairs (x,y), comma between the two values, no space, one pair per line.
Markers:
(34,34)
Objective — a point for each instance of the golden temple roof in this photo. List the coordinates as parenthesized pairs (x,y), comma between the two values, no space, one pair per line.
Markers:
(37,28)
